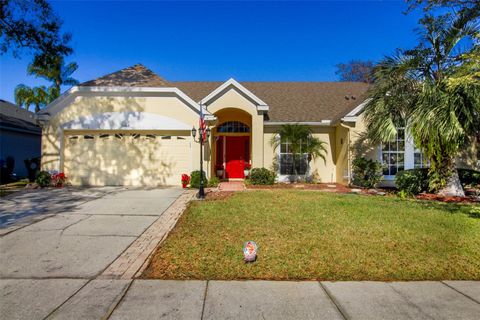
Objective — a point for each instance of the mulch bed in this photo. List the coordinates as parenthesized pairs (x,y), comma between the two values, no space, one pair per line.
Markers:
(435,197)
(333,187)
(218,195)
(339,188)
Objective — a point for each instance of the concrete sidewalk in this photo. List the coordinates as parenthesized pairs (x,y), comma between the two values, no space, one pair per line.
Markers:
(167,299)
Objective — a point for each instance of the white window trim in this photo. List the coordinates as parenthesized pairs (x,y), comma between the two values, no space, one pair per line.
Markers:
(408,160)
(284,177)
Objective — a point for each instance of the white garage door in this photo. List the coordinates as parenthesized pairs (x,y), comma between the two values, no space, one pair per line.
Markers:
(133,159)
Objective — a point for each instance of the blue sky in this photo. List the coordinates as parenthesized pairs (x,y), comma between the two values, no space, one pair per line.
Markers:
(254,41)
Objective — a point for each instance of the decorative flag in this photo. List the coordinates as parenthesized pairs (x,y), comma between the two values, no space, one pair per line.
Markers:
(202,125)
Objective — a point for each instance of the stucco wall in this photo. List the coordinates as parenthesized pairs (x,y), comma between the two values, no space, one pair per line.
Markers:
(322,171)
(232,98)
(167,105)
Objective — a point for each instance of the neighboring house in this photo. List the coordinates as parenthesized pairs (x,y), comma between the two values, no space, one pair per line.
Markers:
(20,137)
(132,127)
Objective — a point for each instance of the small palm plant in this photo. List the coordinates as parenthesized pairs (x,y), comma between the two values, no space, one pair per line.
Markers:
(302,143)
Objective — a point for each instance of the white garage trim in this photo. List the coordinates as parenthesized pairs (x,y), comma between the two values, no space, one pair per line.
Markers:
(61,102)
(125,121)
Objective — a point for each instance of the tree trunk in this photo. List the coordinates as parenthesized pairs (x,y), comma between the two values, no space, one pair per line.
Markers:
(294,169)
(453,186)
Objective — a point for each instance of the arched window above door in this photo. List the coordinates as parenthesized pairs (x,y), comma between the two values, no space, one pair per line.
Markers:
(233,126)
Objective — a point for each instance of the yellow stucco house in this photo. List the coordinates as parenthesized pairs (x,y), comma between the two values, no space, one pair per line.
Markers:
(134,128)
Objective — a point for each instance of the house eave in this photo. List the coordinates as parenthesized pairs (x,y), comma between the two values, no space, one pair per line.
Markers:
(307,123)
(56,106)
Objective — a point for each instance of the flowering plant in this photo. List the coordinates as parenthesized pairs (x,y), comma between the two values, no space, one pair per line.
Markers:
(248,166)
(185,179)
(58,179)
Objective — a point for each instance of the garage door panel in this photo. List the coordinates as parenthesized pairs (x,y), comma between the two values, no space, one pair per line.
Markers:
(130,160)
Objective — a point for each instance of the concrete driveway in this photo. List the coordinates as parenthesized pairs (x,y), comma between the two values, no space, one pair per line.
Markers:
(94,228)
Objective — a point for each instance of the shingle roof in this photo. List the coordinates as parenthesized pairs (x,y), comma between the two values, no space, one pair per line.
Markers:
(13,117)
(294,101)
(11,123)
(134,76)
(288,101)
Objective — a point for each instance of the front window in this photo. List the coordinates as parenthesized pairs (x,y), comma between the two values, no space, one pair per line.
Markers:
(233,126)
(393,154)
(419,159)
(287,163)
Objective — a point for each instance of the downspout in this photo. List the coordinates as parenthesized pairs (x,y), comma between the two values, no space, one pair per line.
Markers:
(348,152)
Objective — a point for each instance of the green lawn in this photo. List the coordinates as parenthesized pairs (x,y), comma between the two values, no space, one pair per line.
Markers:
(324,236)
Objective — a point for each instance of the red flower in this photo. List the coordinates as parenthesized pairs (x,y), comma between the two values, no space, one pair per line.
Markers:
(58,179)
(185,178)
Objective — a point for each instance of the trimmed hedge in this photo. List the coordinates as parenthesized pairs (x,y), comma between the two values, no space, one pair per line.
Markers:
(366,172)
(195,179)
(213,182)
(262,176)
(412,181)
(44,179)
(469,177)
(415,181)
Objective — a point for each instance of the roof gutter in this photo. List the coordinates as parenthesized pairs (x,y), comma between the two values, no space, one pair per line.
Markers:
(308,123)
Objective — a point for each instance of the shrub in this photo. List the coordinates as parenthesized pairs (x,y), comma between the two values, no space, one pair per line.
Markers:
(213,182)
(43,179)
(412,182)
(262,176)
(469,177)
(58,180)
(195,179)
(366,173)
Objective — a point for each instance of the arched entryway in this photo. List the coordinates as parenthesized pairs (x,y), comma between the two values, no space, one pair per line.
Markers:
(232,143)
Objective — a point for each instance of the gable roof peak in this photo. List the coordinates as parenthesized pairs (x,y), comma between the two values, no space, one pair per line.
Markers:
(137,75)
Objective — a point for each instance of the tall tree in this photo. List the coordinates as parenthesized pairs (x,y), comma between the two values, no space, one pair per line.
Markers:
(356,71)
(54,70)
(301,142)
(457,5)
(26,96)
(33,26)
(433,90)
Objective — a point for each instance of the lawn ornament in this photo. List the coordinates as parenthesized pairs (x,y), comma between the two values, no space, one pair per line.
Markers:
(250,251)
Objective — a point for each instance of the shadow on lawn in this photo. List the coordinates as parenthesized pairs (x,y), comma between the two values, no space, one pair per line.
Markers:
(472,210)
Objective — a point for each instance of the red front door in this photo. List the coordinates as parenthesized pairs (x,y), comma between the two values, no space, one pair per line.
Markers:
(236,154)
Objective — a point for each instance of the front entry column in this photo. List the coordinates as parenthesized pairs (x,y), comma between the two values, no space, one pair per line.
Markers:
(257,141)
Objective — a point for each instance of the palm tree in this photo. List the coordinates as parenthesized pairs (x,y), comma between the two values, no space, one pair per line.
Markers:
(434,91)
(55,70)
(26,96)
(301,142)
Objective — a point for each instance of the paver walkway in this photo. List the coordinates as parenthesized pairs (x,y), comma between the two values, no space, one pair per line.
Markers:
(231,186)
